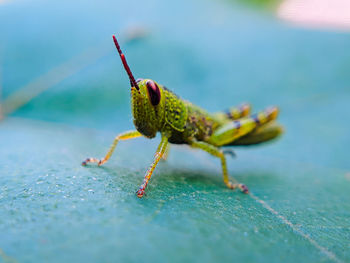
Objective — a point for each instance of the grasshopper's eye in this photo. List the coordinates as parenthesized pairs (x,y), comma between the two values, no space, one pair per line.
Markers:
(138,80)
(154,92)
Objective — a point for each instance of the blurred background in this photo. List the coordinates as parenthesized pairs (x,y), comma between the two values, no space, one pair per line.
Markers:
(64,95)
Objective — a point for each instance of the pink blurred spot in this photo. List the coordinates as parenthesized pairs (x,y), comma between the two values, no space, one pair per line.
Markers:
(317,13)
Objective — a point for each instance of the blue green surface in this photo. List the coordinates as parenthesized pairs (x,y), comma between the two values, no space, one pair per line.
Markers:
(213,53)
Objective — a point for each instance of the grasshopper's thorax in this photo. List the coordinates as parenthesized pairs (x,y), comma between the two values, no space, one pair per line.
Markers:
(148,104)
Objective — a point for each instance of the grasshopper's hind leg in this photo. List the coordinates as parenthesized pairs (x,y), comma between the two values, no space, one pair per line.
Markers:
(215,151)
(123,136)
(234,130)
(238,112)
(265,133)
(235,113)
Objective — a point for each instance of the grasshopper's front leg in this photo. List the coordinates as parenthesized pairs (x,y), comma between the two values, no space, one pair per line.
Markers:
(158,155)
(123,136)
(215,151)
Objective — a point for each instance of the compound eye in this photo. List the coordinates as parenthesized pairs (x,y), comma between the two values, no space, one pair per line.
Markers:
(154,92)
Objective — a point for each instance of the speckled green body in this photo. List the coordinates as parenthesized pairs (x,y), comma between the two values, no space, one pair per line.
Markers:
(182,122)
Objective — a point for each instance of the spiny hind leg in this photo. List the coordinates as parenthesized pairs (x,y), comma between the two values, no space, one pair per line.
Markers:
(234,130)
(238,112)
(215,151)
(123,136)
(234,113)
(268,132)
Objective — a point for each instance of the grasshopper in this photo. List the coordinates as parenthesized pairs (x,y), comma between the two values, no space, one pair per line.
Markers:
(157,109)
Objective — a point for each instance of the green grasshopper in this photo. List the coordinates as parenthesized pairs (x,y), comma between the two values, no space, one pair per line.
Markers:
(157,109)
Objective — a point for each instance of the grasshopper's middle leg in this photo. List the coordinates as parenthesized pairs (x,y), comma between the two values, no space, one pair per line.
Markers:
(215,151)
(123,136)
(158,155)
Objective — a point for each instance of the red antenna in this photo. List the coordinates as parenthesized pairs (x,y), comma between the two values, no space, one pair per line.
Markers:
(126,66)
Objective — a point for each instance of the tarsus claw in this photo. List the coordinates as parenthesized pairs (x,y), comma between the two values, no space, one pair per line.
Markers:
(244,188)
(140,193)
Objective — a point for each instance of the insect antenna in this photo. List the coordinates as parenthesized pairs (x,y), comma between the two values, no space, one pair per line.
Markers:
(126,66)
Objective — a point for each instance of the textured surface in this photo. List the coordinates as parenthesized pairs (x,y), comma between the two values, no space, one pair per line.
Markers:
(219,54)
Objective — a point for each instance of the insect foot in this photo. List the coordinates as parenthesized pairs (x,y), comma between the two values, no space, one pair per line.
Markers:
(244,188)
(140,192)
(89,160)
(93,160)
